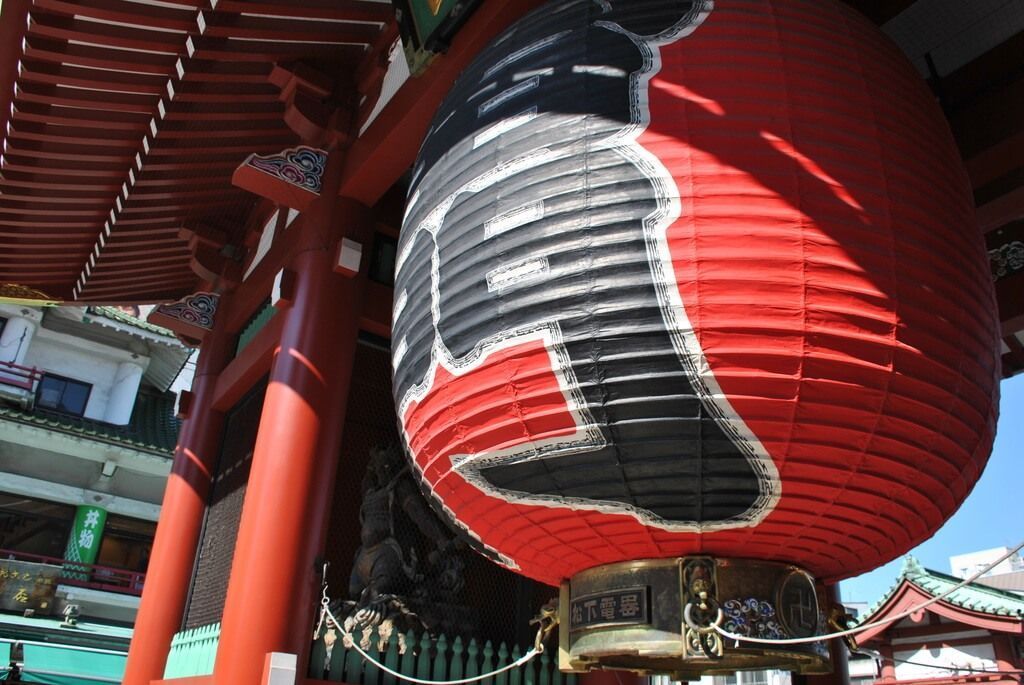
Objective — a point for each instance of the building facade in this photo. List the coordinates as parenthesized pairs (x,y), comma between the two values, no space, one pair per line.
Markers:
(87,432)
(974,634)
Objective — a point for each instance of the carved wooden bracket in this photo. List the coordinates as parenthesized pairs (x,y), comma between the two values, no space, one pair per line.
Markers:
(190,318)
(291,178)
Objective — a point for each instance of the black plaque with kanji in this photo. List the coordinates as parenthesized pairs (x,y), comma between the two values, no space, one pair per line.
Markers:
(627,606)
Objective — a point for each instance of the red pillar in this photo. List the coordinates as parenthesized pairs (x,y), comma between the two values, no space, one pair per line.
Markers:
(840,674)
(888,672)
(181,519)
(1005,659)
(269,604)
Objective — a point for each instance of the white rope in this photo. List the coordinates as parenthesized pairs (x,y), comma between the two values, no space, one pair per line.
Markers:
(867,626)
(534,651)
(957,669)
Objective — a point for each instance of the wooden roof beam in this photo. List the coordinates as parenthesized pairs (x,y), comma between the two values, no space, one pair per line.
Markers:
(17,247)
(210,112)
(126,12)
(136,38)
(144,261)
(238,93)
(86,99)
(135,209)
(25,260)
(67,151)
(226,111)
(151,223)
(249,27)
(39,71)
(50,212)
(44,282)
(98,173)
(143,295)
(49,184)
(205,48)
(96,285)
(103,57)
(149,250)
(69,134)
(234,148)
(344,10)
(183,165)
(31,265)
(41,192)
(51,199)
(67,231)
(75,116)
(126,274)
(216,71)
(150,182)
(191,192)
(23,273)
(216,129)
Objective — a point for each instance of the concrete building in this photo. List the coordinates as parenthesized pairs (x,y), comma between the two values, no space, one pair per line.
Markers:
(966,565)
(87,431)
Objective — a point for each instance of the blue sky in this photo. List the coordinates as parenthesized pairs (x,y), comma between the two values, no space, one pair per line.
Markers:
(991,516)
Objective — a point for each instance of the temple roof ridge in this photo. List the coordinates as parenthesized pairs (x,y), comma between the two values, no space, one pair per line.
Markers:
(972,597)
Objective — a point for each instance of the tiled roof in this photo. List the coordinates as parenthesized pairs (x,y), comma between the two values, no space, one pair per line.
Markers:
(153,426)
(116,314)
(973,597)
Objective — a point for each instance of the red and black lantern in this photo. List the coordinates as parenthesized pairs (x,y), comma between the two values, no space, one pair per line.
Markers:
(693,278)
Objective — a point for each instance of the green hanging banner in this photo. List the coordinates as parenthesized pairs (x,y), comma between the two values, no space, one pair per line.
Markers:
(86,534)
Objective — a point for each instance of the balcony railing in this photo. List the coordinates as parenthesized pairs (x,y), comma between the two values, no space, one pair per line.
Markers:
(91,576)
(24,377)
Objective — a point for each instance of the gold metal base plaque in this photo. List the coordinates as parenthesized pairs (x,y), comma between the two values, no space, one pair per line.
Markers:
(655,616)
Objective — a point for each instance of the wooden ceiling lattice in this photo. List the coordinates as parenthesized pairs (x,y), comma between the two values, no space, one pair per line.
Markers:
(127,119)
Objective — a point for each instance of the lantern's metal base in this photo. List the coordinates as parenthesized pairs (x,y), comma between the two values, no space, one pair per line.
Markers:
(632,616)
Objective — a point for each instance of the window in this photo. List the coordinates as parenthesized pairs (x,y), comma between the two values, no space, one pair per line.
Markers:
(3,322)
(63,394)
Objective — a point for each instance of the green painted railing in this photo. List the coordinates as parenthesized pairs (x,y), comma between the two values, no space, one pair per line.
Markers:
(434,659)
(193,652)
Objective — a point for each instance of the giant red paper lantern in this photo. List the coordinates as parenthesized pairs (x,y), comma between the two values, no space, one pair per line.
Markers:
(693,278)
